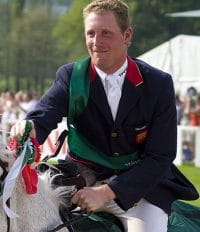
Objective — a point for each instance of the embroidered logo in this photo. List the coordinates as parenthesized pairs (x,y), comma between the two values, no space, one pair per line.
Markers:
(131,163)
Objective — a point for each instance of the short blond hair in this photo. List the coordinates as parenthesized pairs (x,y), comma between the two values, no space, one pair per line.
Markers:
(117,7)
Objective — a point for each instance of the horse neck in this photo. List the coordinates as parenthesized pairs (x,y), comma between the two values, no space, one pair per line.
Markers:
(37,212)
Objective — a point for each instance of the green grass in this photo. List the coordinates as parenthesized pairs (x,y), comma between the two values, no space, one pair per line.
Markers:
(193,174)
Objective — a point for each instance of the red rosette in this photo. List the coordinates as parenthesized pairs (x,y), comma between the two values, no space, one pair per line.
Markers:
(13,144)
(37,149)
(30,179)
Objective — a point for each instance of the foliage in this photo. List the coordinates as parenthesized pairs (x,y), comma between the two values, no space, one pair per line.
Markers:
(152,26)
(34,49)
(70,31)
(28,53)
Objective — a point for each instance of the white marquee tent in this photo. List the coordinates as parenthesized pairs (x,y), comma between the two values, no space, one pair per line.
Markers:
(180,56)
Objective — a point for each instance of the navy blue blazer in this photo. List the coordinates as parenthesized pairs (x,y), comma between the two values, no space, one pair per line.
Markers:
(146,120)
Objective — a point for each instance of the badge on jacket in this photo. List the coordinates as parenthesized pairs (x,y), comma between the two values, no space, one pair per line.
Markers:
(141,134)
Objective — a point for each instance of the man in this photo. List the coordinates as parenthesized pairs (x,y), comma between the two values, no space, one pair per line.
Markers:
(122,121)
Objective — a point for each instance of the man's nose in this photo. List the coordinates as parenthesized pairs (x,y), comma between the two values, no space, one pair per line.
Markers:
(97,40)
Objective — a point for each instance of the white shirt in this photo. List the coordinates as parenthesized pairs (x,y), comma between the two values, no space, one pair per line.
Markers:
(113,86)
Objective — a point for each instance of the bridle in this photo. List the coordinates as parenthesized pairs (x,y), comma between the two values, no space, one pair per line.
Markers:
(68,215)
(70,219)
(4,166)
(71,216)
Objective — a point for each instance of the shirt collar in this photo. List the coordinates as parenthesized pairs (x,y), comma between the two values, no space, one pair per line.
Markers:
(120,72)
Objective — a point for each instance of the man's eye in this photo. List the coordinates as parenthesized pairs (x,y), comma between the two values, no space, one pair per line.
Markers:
(90,33)
(106,33)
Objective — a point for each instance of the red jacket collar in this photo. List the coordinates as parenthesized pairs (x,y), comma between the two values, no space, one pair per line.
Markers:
(133,73)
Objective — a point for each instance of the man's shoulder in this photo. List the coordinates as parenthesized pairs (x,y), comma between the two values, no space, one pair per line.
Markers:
(65,69)
(154,79)
(147,68)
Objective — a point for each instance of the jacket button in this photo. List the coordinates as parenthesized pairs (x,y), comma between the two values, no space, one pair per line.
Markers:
(116,154)
(114,135)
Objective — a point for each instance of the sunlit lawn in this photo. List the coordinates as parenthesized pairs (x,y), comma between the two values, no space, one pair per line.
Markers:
(193,174)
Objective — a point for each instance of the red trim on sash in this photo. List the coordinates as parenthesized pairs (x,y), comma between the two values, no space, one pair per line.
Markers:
(79,160)
(133,73)
(93,72)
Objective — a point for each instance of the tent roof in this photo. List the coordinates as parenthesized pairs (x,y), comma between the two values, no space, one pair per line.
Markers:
(191,14)
(179,56)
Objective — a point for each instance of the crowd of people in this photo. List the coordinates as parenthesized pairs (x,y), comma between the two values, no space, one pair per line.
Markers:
(14,107)
(188,114)
(188,108)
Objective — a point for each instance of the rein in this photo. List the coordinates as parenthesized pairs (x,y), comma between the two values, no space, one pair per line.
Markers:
(76,215)
(81,215)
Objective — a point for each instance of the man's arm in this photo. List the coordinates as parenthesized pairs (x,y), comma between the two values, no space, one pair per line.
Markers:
(51,108)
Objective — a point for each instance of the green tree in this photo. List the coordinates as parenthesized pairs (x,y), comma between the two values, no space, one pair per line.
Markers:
(5,24)
(38,56)
(70,31)
(152,26)
(18,7)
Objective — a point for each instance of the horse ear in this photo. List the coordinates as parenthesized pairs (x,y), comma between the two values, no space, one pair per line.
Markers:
(72,168)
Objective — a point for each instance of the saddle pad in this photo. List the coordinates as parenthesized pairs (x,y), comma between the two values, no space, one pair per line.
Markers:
(97,222)
(184,218)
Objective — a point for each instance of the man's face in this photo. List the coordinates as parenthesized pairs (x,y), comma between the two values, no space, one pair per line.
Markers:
(106,43)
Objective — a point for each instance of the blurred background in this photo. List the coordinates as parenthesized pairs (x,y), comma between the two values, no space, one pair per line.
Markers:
(38,36)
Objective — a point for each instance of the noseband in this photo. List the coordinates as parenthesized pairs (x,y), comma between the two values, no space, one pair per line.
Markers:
(4,166)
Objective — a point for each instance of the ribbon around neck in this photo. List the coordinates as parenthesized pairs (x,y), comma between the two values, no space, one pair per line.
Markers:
(27,153)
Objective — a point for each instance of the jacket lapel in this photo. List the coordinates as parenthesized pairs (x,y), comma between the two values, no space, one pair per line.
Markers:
(131,91)
(98,96)
(129,98)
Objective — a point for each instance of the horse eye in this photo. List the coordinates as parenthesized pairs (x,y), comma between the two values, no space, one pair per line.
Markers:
(41,168)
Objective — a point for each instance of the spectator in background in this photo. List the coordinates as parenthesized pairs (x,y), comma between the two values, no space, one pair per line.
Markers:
(9,114)
(28,102)
(179,108)
(14,107)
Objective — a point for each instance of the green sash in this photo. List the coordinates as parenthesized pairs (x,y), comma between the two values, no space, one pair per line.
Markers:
(79,92)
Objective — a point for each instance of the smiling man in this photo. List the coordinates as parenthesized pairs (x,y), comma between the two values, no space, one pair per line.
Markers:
(107,42)
(122,125)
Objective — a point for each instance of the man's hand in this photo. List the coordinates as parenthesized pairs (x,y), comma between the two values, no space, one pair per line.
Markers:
(19,128)
(93,198)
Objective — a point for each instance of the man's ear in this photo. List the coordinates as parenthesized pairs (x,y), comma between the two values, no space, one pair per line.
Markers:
(128,35)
